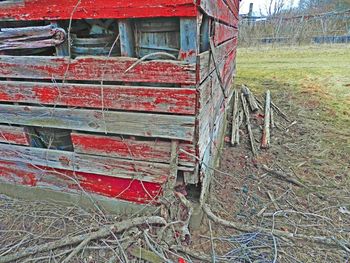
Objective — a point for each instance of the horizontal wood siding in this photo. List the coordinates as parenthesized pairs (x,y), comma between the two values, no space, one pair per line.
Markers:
(13,135)
(114,167)
(132,98)
(157,151)
(95,9)
(222,33)
(99,69)
(68,181)
(218,10)
(206,63)
(137,124)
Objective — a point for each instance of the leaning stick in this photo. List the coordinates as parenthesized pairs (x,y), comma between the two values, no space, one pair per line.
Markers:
(250,98)
(239,122)
(102,233)
(246,112)
(265,141)
(234,118)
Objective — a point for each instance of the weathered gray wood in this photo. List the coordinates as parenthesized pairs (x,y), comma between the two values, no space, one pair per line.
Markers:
(234,118)
(250,98)
(249,127)
(137,124)
(145,171)
(31,37)
(265,141)
(174,162)
(98,69)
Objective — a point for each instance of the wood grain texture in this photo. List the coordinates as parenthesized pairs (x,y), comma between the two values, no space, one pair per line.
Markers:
(97,68)
(95,9)
(134,149)
(219,10)
(206,64)
(127,123)
(114,167)
(131,98)
(223,33)
(13,135)
(76,182)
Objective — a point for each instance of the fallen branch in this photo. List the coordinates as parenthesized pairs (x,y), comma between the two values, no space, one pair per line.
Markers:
(250,132)
(283,176)
(102,233)
(202,257)
(265,141)
(279,111)
(328,241)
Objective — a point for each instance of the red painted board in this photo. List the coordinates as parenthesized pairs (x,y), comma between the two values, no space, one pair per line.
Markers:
(219,10)
(223,33)
(97,68)
(114,146)
(13,135)
(234,7)
(68,181)
(95,9)
(131,98)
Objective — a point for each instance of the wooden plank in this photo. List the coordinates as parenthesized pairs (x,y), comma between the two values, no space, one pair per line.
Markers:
(127,123)
(13,135)
(129,148)
(127,41)
(97,68)
(95,9)
(188,39)
(131,98)
(69,181)
(223,33)
(234,7)
(205,59)
(218,10)
(114,167)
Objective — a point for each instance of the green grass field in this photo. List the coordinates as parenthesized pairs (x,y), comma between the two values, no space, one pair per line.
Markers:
(318,76)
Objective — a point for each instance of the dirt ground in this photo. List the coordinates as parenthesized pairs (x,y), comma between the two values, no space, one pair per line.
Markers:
(311,85)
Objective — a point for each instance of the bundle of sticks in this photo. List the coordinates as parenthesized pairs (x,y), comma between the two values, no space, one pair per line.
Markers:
(245,103)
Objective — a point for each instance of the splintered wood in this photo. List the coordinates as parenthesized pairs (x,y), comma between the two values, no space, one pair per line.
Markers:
(242,110)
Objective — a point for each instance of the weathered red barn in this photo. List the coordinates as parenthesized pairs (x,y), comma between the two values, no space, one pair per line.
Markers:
(122,99)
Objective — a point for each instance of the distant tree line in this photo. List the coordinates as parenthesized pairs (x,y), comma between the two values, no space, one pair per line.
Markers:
(313,6)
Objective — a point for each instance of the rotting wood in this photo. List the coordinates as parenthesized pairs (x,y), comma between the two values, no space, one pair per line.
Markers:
(249,127)
(98,9)
(128,123)
(97,68)
(74,182)
(121,168)
(13,135)
(234,118)
(131,148)
(265,141)
(250,98)
(117,97)
(31,37)
(239,122)
(103,232)
(223,33)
